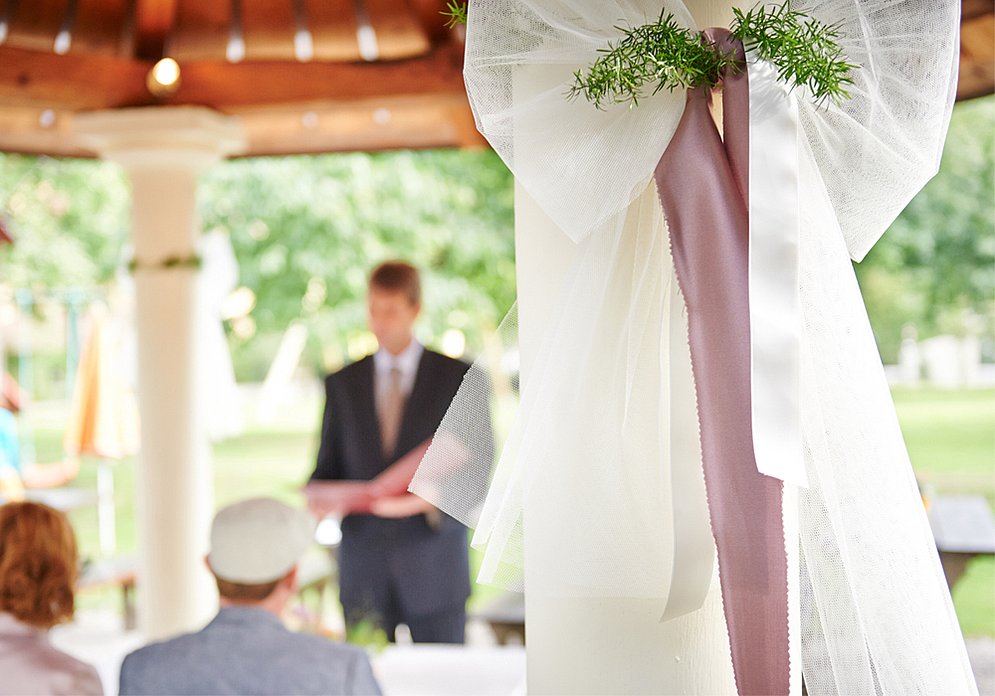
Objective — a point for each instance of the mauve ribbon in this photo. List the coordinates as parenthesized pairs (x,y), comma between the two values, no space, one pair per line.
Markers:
(702,182)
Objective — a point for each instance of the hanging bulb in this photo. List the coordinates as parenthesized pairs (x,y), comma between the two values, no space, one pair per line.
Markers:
(164,78)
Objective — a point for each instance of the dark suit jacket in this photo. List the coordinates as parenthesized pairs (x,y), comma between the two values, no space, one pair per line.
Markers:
(427,566)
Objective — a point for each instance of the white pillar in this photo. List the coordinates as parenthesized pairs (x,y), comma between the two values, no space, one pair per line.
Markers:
(163,150)
(595,645)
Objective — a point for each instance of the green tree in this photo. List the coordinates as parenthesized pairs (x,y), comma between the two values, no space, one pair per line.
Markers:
(306,230)
(936,264)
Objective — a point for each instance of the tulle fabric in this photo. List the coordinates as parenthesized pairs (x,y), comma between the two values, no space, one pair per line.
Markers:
(607,415)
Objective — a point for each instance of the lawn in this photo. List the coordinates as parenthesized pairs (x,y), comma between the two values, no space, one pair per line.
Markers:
(950,436)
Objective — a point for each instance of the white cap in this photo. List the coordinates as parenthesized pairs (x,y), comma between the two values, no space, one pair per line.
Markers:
(258,540)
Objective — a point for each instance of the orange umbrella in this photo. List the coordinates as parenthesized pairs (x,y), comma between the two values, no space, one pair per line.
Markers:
(103,418)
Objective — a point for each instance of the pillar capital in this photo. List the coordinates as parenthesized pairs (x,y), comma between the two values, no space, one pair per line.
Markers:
(191,137)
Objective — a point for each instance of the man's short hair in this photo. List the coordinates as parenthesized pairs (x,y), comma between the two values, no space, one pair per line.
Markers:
(397,276)
(241,592)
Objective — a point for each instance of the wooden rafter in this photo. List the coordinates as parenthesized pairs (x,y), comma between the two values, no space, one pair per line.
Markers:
(154,20)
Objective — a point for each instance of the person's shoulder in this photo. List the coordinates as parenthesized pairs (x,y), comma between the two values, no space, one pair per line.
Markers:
(350,371)
(149,667)
(445,362)
(155,653)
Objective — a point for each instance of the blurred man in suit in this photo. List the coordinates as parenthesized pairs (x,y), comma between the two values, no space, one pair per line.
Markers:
(404,561)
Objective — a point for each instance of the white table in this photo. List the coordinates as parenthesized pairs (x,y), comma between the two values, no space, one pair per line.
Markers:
(450,670)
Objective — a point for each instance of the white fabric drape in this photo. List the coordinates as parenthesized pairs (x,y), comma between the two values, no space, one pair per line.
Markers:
(876,615)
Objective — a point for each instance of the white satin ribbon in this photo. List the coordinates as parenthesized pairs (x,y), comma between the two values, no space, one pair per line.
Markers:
(775,303)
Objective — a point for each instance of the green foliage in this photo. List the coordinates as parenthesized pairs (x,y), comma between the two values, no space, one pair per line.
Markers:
(306,231)
(69,219)
(803,50)
(455,13)
(935,267)
(661,53)
(668,56)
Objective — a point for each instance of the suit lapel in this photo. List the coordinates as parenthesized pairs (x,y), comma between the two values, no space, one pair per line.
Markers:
(364,401)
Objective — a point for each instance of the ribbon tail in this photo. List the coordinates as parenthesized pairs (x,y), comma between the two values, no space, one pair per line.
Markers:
(706,211)
(775,303)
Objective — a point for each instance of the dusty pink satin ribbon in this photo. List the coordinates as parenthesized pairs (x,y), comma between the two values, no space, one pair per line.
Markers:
(703,183)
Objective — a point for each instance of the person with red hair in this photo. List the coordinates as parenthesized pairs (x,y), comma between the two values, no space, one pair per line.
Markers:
(38,572)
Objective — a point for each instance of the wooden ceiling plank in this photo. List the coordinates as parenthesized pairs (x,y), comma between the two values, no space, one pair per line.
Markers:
(224,86)
(399,31)
(333,30)
(45,80)
(416,122)
(154,20)
(433,22)
(34,24)
(269,30)
(975,8)
(98,27)
(977,38)
(201,31)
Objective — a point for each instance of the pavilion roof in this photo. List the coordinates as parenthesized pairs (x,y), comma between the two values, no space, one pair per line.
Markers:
(314,75)
(303,75)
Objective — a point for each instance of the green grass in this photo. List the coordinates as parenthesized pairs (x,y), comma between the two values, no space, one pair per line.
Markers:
(950,436)
(951,440)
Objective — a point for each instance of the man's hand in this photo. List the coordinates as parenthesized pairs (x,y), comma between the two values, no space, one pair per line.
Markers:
(397,506)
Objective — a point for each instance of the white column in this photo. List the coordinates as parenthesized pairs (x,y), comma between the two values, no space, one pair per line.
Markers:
(163,150)
(609,644)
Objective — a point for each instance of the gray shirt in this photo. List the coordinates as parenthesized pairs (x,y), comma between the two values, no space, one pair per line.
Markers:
(30,665)
(247,651)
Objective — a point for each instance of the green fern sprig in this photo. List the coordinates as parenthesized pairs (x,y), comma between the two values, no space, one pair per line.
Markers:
(668,56)
(455,12)
(661,53)
(803,50)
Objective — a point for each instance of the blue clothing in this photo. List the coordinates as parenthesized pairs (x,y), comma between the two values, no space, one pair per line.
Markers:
(9,449)
(247,651)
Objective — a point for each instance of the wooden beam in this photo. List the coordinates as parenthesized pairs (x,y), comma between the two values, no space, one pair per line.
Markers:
(154,19)
(399,34)
(98,28)
(970,9)
(400,123)
(977,57)
(33,25)
(309,127)
(433,23)
(21,130)
(224,86)
(201,31)
(333,30)
(45,80)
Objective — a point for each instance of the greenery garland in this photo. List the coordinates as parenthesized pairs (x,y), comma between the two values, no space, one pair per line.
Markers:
(665,55)
(168,263)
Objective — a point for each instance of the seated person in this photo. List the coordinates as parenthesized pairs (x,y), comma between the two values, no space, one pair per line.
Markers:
(14,477)
(255,547)
(38,567)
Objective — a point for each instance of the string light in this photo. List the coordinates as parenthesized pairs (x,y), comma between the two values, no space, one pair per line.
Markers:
(164,78)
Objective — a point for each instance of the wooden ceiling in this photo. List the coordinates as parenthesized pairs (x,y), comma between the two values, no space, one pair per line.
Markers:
(303,75)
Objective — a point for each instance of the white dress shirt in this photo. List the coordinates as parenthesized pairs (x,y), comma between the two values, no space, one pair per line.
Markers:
(407,362)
